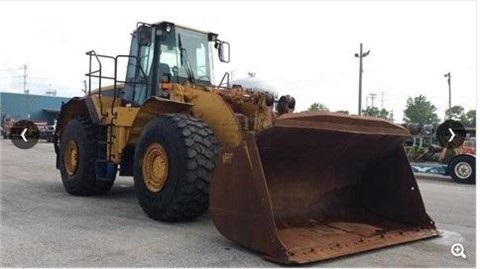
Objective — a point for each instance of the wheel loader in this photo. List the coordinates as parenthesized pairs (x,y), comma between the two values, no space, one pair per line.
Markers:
(295,187)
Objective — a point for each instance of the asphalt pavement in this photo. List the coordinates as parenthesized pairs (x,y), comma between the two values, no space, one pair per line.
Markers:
(43,226)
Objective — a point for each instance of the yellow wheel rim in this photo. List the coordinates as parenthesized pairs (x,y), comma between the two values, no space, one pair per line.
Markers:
(155,167)
(70,159)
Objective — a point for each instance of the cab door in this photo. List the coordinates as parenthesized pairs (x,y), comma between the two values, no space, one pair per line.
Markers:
(140,70)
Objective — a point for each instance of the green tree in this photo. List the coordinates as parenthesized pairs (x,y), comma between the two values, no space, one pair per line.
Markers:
(317,107)
(472,117)
(469,119)
(373,111)
(457,112)
(420,110)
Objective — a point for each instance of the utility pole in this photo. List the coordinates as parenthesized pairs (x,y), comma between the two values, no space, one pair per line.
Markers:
(25,79)
(50,91)
(372,96)
(25,90)
(84,86)
(448,76)
(382,98)
(360,55)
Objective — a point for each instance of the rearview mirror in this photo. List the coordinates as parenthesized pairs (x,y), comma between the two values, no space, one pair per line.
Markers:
(144,34)
(224,51)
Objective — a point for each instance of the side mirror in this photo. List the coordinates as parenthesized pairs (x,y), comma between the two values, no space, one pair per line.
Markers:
(144,35)
(224,51)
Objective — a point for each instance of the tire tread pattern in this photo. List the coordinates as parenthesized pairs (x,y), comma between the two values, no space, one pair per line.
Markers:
(201,150)
(89,185)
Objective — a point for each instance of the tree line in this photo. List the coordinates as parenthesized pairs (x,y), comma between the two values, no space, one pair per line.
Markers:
(417,110)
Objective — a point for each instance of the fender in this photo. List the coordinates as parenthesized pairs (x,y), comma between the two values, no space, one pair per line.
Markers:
(208,106)
(458,156)
(152,107)
(75,107)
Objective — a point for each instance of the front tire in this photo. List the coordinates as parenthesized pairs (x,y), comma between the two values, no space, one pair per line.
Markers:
(173,164)
(77,157)
(462,169)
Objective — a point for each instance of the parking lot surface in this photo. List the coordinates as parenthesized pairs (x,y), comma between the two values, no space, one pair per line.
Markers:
(43,226)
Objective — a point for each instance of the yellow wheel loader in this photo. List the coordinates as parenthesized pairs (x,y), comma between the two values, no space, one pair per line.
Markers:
(296,187)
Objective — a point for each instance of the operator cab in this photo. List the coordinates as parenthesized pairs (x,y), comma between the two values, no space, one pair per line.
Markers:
(169,53)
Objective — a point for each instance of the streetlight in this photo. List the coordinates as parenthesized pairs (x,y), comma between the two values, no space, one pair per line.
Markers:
(448,76)
(360,55)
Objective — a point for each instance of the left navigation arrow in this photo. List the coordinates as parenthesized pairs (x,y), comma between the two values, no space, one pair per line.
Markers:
(23,135)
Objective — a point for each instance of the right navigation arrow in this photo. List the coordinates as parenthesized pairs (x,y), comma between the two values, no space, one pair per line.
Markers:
(453,135)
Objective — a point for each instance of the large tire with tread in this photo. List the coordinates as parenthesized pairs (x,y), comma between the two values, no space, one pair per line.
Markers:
(191,150)
(462,169)
(81,181)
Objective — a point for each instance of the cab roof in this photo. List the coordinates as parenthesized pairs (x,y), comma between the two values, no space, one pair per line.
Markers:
(160,23)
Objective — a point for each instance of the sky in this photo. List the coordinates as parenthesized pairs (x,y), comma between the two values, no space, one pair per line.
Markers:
(306,49)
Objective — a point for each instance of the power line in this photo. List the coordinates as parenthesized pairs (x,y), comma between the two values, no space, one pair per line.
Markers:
(10,69)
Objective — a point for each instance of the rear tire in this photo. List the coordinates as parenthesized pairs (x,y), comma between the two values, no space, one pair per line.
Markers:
(462,169)
(184,153)
(77,157)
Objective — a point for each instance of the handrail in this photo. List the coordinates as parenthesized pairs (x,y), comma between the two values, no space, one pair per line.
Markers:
(98,74)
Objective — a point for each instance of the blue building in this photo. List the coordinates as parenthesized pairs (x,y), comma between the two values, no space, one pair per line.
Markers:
(30,106)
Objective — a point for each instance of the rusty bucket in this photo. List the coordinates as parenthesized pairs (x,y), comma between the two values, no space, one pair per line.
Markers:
(315,186)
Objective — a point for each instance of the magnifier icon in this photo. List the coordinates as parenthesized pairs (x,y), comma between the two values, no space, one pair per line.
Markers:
(458,250)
